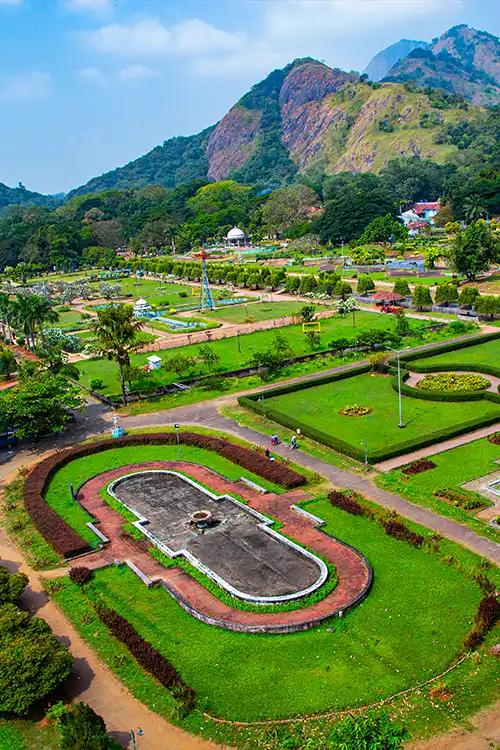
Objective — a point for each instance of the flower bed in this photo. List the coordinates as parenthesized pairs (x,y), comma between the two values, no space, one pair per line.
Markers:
(459,498)
(355,410)
(348,503)
(454,382)
(68,543)
(495,438)
(417,467)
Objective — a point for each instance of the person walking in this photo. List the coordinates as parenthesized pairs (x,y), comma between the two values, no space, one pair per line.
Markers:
(268,453)
(293,443)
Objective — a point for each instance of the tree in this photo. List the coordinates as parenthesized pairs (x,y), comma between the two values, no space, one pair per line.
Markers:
(401,287)
(366,732)
(97,256)
(474,250)
(313,339)
(272,359)
(384,229)
(180,364)
(209,357)
(83,729)
(288,206)
(421,296)
(446,293)
(402,326)
(6,315)
(306,313)
(40,404)
(8,362)
(340,345)
(488,305)
(12,585)
(31,312)
(468,296)
(365,284)
(32,661)
(345,306)
(473,208)
(115,334)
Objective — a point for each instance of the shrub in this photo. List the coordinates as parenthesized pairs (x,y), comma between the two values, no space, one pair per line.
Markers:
(365,284)
(473,640)
(355,410)
(83,729)
(487,613)
(399,531)
(148,657)
(81,575)
(453,382)
(96,384)
(401,287)
(380,362)
(347,502)
(459,498)
(12,585)
(368,731)
(495,438)
(417,467)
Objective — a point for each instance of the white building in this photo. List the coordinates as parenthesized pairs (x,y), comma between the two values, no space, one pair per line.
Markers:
(154,362)
(236,237)
(142,308)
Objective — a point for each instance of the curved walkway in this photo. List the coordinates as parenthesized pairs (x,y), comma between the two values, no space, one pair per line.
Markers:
(206,415)
(354,573)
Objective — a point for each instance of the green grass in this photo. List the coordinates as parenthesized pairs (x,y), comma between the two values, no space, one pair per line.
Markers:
(318,406)
(257,311)
(487,353)
(26,735)
(453,468)
(227,349)
(80,470)
(389,642)
(156,292)
(72,321)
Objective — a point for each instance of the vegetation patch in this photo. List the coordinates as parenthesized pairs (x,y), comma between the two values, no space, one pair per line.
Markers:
(417,467)
(461,498)
(494,439)
(354,410)
(454,382)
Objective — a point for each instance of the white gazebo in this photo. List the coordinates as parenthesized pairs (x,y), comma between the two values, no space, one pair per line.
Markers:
(142,308)
(236,237)
(154,362)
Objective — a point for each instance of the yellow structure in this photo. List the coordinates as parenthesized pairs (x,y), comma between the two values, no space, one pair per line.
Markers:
(314,326)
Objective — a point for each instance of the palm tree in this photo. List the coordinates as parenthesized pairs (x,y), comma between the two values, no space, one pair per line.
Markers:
(115,332)
(31,311)
(473,210)
(6,315)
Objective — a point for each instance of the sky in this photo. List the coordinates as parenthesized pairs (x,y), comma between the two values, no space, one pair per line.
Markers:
(88,85)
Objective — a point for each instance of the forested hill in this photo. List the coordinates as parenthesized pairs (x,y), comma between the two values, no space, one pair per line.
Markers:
(21,197)
(305,118)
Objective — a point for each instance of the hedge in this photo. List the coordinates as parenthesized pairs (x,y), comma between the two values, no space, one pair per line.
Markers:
(68,543)
(148,657)
(450,346)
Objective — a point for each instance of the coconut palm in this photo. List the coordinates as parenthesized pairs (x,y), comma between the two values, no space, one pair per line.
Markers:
(31,312)
(115,332)
(473,209)
(6,315)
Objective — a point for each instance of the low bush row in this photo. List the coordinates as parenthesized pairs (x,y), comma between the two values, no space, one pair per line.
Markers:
(417,467)
(495,438)
(459,498)
(486,617)
(346,501)
(68,543)
(399,531)
(148,657)
(81,575)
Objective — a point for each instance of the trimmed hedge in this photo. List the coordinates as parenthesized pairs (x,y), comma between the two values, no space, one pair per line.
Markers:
(347,502)
(68,543)
(412,392)
(148,657)
(417,467)
(399,531)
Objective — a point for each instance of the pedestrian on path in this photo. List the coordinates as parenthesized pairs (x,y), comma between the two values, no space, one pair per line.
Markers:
(268,453)
(293,443)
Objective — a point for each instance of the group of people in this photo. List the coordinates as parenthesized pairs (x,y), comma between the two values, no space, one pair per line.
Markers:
(276,441)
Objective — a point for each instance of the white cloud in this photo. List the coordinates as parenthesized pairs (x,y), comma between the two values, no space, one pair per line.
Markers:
(32,85)
(95,6)
(136,73)
(151,38)
(91,75)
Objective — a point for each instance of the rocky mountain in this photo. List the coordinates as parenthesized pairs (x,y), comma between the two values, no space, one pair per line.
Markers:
(462,61)
(19,196)
(380,65)
(305,117)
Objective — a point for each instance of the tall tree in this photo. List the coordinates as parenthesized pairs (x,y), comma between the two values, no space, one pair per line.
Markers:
(115,332)
(475,249)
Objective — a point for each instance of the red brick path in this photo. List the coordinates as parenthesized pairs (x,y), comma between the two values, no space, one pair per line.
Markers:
(353,571)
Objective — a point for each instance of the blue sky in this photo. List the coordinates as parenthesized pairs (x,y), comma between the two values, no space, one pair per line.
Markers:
(87,85)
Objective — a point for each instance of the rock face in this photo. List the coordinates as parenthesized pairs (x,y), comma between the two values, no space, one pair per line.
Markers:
(380,65)
(463,61)
(308,117)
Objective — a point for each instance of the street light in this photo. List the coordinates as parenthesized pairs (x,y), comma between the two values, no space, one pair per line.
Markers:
(261,399)
(365,446)
(398,352)
(177,427)
(239,343)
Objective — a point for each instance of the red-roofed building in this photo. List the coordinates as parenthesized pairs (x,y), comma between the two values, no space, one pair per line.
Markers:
(426,210)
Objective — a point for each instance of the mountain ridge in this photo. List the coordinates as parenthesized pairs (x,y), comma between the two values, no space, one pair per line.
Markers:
(381,63)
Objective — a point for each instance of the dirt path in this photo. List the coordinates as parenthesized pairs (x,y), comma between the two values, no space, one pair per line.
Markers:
(94,683)
(484,736)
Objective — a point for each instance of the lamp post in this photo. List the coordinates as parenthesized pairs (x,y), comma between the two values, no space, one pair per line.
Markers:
(263,409)
(398,352)
(365,446)
(177,427)
(239,343)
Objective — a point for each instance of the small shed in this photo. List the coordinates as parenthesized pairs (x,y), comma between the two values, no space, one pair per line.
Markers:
(154,362)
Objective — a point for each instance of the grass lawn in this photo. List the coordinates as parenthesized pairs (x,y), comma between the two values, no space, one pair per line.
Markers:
(257,311)
(26,735)
(157,292)
(318,407)
(80,470)
(227,349)
(453,468)
(487,353)
(72,321)
(409,628)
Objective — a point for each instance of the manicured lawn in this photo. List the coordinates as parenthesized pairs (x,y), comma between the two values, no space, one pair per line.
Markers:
(156,292)
(257,311)
(227,349)
(453,468)
(409,628)
(487,353)
(318,407)
(80,470)
(72,321)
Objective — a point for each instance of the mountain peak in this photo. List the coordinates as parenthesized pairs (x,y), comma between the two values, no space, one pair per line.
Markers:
(379,66)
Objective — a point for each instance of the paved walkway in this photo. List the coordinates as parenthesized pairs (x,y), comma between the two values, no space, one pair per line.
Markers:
(206,415)
(353,571)
(432,450)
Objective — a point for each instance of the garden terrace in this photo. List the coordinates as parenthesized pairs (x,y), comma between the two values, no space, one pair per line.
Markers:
(303,405)
(67,542)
